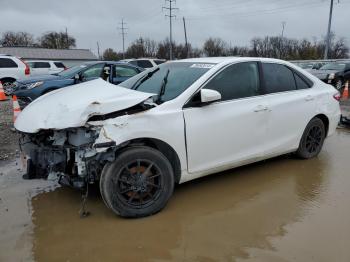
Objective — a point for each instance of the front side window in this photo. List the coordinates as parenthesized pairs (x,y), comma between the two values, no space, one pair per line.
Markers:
(144,63)
(124,71)
(7,63)
(174,77)
(236,81)
(94,71)
(278,78)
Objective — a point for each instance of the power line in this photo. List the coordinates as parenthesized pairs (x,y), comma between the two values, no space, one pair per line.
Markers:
(170,8)
(123,33)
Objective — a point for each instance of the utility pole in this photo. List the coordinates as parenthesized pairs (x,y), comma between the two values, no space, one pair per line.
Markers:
(283,26)
(170,8)
(123,33)
(183,18)
(98,50)
(281,41)
(67,38)
(329,31)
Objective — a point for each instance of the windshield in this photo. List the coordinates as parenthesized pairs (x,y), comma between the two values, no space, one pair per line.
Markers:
(179,76)
(72,71)
(333,66)
(306,65)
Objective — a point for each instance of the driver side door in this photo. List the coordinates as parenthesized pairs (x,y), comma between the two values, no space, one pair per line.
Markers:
(91,73)
(229,132)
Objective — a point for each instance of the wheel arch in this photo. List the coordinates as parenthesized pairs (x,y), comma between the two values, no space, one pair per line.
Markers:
(8,78)
(325,121)
(167,150)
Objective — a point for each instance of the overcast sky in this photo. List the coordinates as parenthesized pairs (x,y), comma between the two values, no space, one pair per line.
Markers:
(236,21)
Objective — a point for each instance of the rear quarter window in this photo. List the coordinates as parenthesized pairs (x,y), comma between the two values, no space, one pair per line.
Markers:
(59,65)
(7,63)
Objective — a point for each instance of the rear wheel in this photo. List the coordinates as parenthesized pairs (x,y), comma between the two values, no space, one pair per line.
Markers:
(138,183)
(312,140)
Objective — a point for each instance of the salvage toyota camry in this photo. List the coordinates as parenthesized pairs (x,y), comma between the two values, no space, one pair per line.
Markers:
(174,123)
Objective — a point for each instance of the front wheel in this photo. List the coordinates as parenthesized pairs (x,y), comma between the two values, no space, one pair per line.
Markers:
(138,183)
(312,140)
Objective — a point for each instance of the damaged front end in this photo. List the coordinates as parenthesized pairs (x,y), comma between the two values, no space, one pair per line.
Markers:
(69,154)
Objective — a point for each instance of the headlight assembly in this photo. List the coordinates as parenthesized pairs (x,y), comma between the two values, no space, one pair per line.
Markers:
(33,85)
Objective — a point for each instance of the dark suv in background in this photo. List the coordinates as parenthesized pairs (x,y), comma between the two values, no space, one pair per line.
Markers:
(335,74)
(34,87)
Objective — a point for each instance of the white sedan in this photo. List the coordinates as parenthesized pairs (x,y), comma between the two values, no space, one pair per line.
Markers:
(174,123)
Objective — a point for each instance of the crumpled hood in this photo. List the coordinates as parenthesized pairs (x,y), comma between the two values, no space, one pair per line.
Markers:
(72,106)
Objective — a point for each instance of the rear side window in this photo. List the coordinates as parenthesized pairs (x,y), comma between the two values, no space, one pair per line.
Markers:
(236,81)
(144,63)
(278,78)
(7,63)
(59,65)
(41,65)
(121,71)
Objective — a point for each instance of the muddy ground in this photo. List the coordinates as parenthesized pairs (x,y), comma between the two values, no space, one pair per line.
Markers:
(282,209)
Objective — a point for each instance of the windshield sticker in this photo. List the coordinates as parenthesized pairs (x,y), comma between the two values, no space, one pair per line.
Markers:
(208,66)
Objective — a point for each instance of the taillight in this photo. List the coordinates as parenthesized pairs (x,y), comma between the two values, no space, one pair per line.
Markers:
(27,69)
(337,96)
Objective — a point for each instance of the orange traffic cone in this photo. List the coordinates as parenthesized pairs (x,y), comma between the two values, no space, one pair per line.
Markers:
(16,108)
(2,93)
(345,95)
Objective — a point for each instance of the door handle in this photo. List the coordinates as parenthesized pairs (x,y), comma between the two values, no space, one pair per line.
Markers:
(309,98)
(261,109)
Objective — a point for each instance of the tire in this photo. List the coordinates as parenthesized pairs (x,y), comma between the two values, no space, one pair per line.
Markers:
(312,140)
(339,84)
(138,183)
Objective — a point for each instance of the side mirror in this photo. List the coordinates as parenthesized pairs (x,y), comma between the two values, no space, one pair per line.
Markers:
(209,96)
(76,77)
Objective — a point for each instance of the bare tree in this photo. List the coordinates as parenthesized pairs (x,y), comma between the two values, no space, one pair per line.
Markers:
(56,40)
(110,55)
(215,47)
(9,39)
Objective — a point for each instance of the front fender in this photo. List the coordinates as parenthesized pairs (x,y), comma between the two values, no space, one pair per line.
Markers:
(149,124)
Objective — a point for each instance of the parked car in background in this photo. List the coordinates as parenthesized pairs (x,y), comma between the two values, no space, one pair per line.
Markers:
(34,87)
(335,74)
(311,65)
(145,62)
(42,67)
(11,69)
(180,121)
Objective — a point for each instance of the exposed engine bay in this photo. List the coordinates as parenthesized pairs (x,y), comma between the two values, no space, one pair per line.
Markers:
(70,154)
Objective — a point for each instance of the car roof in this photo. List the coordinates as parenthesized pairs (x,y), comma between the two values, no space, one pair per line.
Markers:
(219,60)
(54,61)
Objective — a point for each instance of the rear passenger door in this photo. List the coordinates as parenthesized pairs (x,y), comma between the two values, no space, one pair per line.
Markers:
(40,68)
(291,106)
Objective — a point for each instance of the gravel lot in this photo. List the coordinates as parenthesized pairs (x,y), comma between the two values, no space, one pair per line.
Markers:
(8,138)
